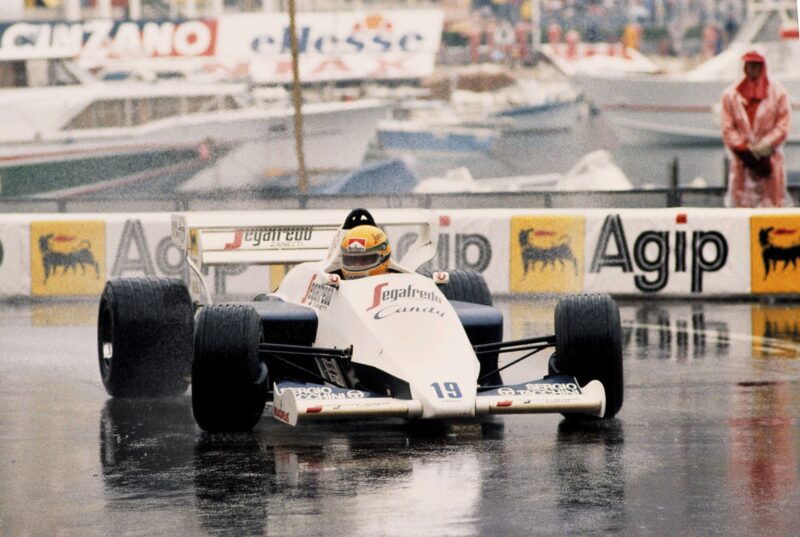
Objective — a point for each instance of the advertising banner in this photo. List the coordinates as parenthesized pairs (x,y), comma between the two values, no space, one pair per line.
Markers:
(340,45)
(67,257)
(775,253)
(107,39)
(14,275)
(669,252)
(546,254)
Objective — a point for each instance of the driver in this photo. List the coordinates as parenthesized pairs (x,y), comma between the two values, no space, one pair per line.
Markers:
(365,251)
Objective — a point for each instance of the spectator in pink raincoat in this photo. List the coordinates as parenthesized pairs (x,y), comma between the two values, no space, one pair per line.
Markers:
(755,123)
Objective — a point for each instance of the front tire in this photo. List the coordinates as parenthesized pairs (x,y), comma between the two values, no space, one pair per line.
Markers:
(225,394)
(589,346)
(144,337)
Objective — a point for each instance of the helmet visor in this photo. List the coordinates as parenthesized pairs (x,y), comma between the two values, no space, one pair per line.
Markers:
(361,260)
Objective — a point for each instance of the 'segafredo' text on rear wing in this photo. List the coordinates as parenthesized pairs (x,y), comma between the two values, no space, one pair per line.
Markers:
(285,237)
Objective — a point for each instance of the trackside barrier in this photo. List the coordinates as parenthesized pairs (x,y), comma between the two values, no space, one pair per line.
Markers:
(681,252)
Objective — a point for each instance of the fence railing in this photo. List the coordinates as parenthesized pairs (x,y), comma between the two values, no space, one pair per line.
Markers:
(256,199)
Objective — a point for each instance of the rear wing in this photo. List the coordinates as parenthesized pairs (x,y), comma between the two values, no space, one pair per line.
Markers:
(285,237)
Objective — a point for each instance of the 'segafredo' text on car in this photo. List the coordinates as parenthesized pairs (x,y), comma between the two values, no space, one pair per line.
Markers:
(400,344)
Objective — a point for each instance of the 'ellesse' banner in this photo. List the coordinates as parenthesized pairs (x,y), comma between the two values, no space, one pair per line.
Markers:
(675,252)
(334,45)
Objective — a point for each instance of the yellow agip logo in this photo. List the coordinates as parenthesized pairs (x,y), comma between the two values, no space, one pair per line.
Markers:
(67,258)
(775,254)
(546,254)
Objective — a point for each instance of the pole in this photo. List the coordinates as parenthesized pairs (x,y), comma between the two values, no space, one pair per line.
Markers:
(103,9)
(674,183)
(72,10)
(134,9)
(536,28)
(297,101)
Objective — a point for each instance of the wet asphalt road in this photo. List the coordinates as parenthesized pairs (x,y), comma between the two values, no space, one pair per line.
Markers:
(707,443)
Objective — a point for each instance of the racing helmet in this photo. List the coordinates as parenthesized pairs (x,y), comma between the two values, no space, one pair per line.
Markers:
(365,251)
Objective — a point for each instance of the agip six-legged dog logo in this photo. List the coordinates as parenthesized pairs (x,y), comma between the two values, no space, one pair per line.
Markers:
(557,252)
(79,255)
(772,254)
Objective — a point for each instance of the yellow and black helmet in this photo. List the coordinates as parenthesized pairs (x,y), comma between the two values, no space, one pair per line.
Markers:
(365,251)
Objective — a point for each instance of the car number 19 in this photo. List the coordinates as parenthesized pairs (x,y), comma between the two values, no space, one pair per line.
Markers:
(447,390)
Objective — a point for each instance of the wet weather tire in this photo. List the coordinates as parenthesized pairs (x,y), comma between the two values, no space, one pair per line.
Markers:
(467,286)
(589,346)
(144,337)
(229,384)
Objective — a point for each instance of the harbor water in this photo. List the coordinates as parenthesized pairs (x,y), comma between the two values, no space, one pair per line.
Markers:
(557,152)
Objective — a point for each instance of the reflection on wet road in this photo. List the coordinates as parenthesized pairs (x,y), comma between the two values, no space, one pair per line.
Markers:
(706,444)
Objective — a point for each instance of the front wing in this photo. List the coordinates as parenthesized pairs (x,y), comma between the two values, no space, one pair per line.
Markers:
(294,402)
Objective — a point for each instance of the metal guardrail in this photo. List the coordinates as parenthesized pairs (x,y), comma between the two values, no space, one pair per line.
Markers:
(260,200)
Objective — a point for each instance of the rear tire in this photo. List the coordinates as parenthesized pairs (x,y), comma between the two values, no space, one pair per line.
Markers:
(467,285)
(589,346)
(144,337)
(225,396)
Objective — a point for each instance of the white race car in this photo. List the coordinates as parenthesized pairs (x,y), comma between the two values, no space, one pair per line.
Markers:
(402,344)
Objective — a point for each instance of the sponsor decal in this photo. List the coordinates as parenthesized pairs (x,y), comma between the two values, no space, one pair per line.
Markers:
(272,237)
(394,310)
(325,392)
(556,388)
(775,253)
(318,295)
(656,254)
(113,39)
(357,244)
(280,414)
(382,295)
(546,254)
(67,258)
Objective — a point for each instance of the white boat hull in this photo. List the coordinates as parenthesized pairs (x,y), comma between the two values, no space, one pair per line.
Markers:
(336,137)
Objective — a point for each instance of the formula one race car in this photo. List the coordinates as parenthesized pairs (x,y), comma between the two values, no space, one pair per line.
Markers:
(401,344)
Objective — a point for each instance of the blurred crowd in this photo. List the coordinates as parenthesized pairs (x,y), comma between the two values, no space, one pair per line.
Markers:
(665,26)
